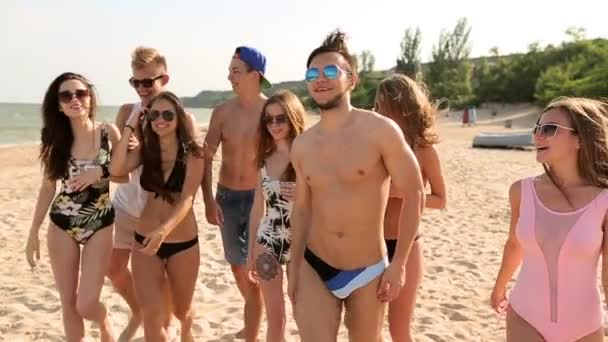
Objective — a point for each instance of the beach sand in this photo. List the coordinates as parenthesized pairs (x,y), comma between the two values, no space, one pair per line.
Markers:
(462,247)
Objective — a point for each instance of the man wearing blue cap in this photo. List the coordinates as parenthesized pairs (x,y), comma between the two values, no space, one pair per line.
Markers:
(234,124)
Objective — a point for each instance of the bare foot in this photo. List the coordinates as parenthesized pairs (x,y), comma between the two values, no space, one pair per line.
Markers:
(129,332)
(105,331)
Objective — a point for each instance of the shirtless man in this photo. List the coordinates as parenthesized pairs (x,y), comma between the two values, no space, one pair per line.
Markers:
(149,78)
(234,124)
(343,167)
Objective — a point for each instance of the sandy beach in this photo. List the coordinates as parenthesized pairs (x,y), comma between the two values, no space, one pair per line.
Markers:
(462,248)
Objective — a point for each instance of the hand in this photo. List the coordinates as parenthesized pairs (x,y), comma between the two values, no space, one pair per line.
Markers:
(133,142)
(498,300)
(253,276)
(32,248)
(288,190)
(214,213)
(86,178)
(152,242)
(391,283)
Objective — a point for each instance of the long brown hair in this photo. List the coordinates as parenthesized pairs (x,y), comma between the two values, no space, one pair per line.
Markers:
(589,119)
(295,113)
(56,134)
(407,102)
(152,174)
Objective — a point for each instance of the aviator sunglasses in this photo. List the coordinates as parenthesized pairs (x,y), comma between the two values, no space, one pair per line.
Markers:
(330,72)
(166,114)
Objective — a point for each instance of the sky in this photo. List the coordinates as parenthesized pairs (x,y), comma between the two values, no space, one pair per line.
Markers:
(41,39)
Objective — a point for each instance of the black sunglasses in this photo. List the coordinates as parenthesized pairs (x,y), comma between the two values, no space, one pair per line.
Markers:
(278,119)
(146,82)
(166,114)
(66,96)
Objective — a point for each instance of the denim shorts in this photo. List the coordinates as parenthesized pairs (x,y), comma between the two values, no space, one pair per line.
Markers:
(236,206)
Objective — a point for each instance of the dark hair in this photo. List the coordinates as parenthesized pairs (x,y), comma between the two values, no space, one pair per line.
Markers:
(335,42)
(152,174)
(295,113)
(56,134)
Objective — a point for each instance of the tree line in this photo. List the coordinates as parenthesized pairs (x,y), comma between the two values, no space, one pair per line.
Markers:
(576,67)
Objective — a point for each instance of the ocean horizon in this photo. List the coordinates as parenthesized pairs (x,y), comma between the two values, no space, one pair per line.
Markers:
(20,123)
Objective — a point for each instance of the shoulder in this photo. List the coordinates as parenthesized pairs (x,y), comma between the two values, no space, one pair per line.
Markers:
(190,117)
(123,114)
(224,107)
(380,129)
(219,113)
(515,190)
(299,146)
(304,138)
(191,120)
(426,152)
(376,123)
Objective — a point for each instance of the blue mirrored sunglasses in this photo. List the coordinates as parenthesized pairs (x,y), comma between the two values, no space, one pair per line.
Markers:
(330,72)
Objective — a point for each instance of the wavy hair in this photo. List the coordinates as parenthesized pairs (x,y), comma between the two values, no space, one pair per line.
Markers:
(56,135)
(152,174)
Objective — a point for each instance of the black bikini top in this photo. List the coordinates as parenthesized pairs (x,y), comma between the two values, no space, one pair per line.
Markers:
(175,182)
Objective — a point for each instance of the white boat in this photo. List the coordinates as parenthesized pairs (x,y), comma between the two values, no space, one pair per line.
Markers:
(504,140)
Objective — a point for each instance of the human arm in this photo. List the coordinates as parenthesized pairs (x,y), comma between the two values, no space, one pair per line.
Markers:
(255,216)
(125,160)
(406,179)
(213,138)
(121,119)
(432,172)
(300,221)
(512,253)
(45,197)
(605,258)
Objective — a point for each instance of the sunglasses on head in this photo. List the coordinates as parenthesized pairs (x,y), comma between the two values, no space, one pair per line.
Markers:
(330,72)
(166,114)
(278,119)
(66,96)
(549,130)
(146,82)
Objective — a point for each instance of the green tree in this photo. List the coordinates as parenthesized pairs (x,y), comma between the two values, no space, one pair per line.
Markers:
(449,73)
(366,61)
(409,62)
(576,33)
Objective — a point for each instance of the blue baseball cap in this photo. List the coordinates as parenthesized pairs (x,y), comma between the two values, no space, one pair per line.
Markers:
(256,60)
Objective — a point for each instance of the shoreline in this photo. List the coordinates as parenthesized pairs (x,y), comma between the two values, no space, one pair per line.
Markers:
(202,127)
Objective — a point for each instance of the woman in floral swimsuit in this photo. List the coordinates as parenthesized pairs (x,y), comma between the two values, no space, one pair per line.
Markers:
(281,121)
(76,151)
